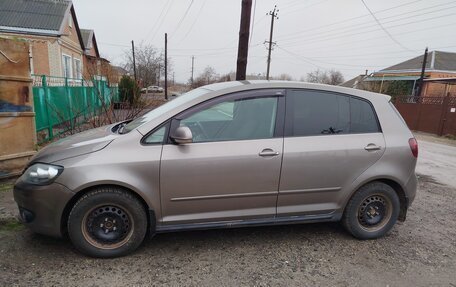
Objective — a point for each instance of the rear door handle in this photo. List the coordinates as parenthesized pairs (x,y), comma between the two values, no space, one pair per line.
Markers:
(268,152)
(370,147)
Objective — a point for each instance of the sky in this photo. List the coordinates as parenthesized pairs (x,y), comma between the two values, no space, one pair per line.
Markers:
(309,34)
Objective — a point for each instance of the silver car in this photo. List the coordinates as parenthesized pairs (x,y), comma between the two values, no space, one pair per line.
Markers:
(231,154)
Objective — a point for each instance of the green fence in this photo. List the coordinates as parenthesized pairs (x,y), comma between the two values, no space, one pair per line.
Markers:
(60,103)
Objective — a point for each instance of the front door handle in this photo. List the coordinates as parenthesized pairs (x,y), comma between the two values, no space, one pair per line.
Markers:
(268,152)
(370,147)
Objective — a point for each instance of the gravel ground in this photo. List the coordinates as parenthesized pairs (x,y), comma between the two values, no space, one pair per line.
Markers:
(437,157)
(419,252)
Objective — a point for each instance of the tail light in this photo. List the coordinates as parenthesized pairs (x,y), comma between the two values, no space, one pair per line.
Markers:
(413,146)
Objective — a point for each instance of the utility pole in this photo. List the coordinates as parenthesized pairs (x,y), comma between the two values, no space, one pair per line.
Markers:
(423,69)
(173,78)
(273,14)
(243,46)
(134,60)
(193,62)
(166,66)
(159,71)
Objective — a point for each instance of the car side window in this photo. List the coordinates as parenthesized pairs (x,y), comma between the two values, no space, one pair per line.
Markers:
(362,117)
(239,119)
(317,113)
(312,112)
(156,137)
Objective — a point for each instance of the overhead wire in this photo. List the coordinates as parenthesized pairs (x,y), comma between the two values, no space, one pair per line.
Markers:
(182,19)
(346,20)
(361,25)
(383,28)
(154,26)
(193,23)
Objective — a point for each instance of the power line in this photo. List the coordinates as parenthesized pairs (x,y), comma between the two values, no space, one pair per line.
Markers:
(318,40)
(182,18)
(162,20)
(347,20)
(115,45)
(351,28)
(193,24)
(383,28)
(344,35)
(165,7)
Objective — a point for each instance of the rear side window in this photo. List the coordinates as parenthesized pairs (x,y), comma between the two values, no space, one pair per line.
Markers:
(362,117)
(311,113)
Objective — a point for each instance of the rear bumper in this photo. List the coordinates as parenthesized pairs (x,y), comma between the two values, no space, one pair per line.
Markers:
(41,207)
(410,189)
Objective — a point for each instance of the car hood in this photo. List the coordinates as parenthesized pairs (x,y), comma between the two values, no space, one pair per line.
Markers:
(82,143)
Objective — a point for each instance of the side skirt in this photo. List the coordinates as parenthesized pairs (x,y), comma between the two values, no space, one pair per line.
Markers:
(250,222)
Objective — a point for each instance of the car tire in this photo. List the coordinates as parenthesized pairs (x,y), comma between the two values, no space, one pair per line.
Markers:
(107,222)
(372,211)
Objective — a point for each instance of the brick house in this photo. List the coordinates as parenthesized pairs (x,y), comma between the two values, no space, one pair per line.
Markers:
(58,47)
(439,76)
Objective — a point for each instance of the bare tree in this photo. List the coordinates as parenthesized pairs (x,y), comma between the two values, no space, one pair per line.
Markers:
(208,76)
(285,77)
(149,64)
(331,77)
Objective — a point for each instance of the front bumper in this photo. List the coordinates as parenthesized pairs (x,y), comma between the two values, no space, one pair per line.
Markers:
(41,207)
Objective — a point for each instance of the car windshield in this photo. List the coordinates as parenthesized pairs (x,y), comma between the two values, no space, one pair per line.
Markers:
(193,94)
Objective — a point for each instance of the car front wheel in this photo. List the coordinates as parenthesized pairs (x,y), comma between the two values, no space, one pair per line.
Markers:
(372,211)
(107,222)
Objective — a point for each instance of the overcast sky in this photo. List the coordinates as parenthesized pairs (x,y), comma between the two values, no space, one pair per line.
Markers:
(310,34)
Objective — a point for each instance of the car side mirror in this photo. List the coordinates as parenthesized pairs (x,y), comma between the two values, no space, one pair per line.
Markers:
(182,135)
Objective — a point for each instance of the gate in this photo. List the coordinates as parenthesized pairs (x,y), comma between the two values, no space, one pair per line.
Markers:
(436,115)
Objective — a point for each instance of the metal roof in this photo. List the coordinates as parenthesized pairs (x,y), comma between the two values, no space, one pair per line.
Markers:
(436,60)
(87,37)
(39,15)
(398,78)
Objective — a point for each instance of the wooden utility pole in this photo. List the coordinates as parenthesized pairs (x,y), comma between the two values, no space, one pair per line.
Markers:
(166,66)
(193,62)
(134,60)
(423,69)
(159,76)
(243,46)
(273,14)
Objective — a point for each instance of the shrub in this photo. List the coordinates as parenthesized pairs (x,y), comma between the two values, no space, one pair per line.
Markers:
(128,89)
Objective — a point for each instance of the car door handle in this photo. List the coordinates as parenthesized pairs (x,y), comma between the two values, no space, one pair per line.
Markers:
(268,152)
(370,147)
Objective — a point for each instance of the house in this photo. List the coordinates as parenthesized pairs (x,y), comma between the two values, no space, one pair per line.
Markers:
(356,83)
(439,76)
(59,47)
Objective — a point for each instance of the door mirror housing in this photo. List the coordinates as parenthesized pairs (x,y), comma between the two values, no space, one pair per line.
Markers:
(182,135)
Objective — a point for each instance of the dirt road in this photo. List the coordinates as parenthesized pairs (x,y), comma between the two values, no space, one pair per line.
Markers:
(437,159)
(419,252)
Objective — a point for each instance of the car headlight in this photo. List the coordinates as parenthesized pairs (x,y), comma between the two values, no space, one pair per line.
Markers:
(41,173)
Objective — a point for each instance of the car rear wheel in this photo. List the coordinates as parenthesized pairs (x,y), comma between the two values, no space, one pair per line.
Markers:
(107,222)
(372,211)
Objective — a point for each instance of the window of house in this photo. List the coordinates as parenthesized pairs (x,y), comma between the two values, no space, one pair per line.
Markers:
(77,68)
(70,22)
(314,113)
(67,67)
(242,119)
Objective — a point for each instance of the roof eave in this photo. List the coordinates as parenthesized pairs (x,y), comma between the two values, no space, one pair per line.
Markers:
(29,31)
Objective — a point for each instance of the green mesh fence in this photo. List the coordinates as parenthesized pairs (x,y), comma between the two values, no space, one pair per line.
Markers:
(61,103)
